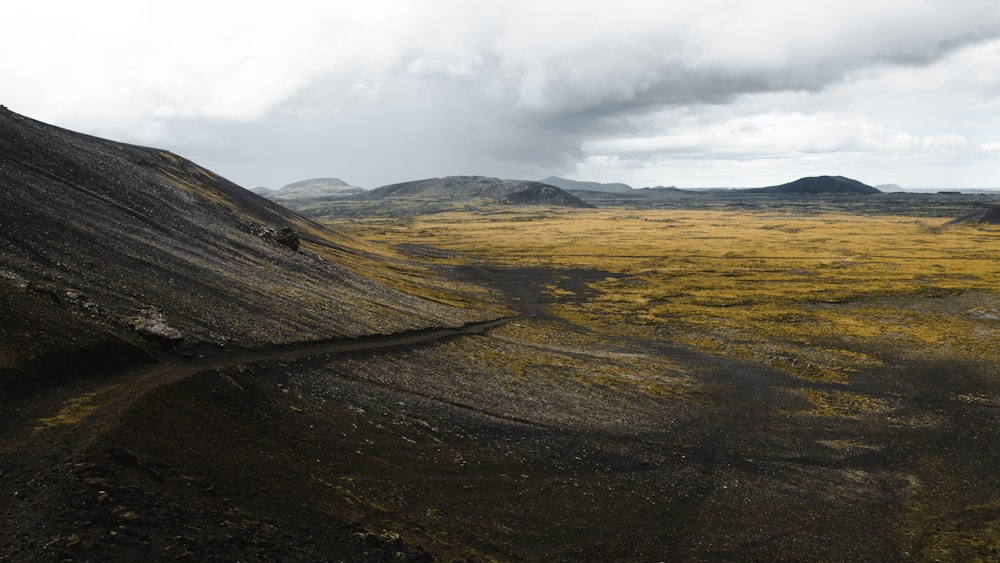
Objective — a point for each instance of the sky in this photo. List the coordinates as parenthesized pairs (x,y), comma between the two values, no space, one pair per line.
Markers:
(700,93)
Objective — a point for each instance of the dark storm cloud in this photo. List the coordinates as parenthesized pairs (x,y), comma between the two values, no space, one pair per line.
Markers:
(673,66)
(409,129)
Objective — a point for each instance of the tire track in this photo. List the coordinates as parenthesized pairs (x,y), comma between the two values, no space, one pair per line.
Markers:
(89,406)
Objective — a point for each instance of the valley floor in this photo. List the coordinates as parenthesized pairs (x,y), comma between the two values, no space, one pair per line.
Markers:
(580,430)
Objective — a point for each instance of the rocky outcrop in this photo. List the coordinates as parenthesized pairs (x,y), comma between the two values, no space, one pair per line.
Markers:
(284,236)
(151,325)
(288,238)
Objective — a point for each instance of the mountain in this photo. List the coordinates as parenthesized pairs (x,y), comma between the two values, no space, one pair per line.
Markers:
(109,251)
(314,189)
(310,197)
(432,195)
(820,185)
(570,185)
(454,189)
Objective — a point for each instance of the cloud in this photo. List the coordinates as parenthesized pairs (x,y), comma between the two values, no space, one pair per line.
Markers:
(710,52)
(761,135)
(384,91)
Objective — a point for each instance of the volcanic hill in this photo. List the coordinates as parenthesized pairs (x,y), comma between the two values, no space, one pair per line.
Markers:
(459,188)
(108,247)
(574,185)
(819,185)
(312,192)
(435,195)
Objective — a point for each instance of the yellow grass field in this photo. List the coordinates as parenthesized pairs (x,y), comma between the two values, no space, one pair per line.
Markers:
(818,296)
(881,334)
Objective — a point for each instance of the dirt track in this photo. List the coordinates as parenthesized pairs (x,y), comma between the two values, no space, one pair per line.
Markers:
(44,432)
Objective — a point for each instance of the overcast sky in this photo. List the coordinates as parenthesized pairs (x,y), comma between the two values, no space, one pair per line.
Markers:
(688,93)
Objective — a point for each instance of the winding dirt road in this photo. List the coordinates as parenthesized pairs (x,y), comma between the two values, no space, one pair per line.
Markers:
(73,403)
(45,434)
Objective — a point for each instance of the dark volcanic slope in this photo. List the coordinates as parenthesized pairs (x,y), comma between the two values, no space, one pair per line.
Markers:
(456,188)
(820,185)
(989,215)
(104,245)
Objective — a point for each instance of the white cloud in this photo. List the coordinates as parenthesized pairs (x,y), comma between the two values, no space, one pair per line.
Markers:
(762,135)
(513,87)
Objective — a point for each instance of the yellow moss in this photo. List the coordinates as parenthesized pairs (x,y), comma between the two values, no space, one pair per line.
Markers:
(744,284)
(845,404)
(72,412)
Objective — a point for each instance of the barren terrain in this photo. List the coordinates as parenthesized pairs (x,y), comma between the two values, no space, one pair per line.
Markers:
(841,369)
(782,379)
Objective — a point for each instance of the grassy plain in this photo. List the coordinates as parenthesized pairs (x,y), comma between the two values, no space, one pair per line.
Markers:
(884,328)
(819,296)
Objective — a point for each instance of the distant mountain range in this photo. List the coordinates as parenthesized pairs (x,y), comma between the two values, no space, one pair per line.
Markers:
(334,197)
(611,188)
(811,185)
(318,196)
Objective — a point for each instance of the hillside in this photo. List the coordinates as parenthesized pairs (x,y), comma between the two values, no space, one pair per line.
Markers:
(319,187)
(107,246)
(466,188)
(819,185)
(573,185)
(308,194)
(989,215)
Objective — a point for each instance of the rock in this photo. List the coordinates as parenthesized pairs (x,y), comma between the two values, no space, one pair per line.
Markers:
(287,237)
(284,236)
(151,325)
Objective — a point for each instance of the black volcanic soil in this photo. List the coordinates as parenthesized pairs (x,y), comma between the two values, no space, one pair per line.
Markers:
(106,246)
(483,446)
(988,215)
(134,464)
